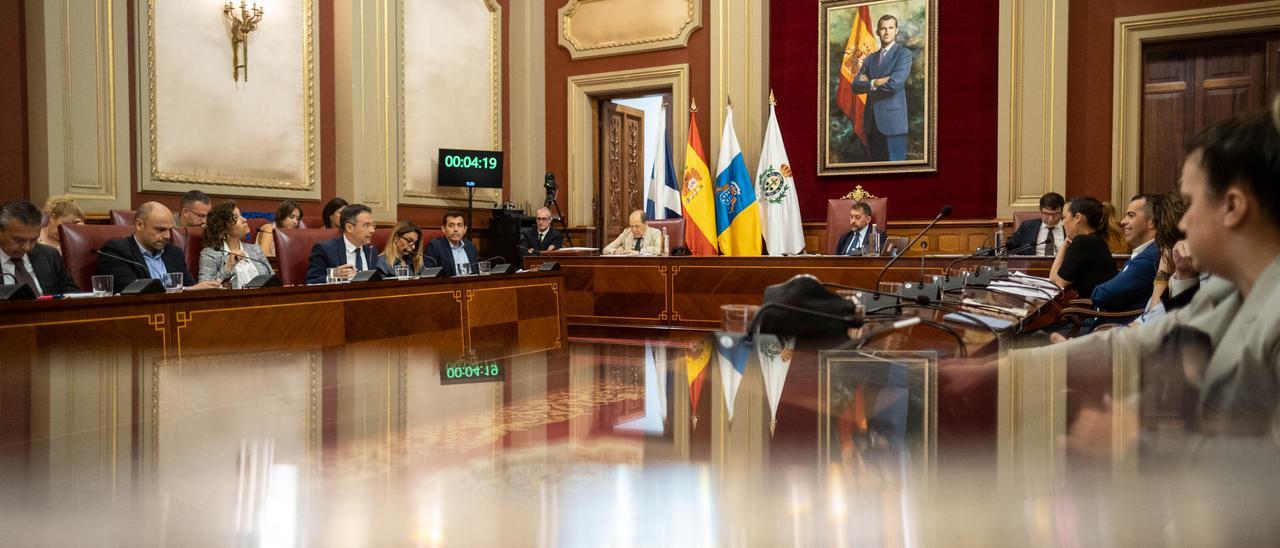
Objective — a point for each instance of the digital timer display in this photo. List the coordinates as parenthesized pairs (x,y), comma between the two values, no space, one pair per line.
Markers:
(469,371)
(470,168)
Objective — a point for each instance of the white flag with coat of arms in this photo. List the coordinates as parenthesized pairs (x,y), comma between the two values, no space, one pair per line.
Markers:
(776,191)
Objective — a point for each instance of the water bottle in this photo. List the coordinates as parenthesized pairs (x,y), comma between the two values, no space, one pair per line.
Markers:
(998,240)
(873,242)
(666,243)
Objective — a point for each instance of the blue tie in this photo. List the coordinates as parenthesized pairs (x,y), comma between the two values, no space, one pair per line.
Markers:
(360,259)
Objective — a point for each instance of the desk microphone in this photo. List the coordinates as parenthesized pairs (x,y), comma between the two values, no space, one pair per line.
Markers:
(946,210)
(270,279)
(104,252)
(983,251)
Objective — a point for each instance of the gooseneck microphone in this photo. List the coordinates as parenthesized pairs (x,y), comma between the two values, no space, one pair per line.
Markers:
(981,252)
(104,252)
(946,210)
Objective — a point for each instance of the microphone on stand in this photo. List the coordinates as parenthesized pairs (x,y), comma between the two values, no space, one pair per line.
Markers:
(924,252)
(946,210)
(270,279)
(103,252)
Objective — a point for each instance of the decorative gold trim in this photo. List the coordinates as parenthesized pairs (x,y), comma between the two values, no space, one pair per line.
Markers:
(454,196)
(581,108)
(1131,33)
(859,194)
(677,39)
(157,180)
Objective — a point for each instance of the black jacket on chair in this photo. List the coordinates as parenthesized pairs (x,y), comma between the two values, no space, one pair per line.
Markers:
(125,273)
(529,244)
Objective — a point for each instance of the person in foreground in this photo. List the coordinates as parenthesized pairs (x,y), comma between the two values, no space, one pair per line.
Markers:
(351,252)
(638,239)
(1226,341)
(1084,261)
(856,240)
(288,215)
(1131,288)
(453,250)
(23,260)
(541,238)
(147,253)
(226,257)
(402,250)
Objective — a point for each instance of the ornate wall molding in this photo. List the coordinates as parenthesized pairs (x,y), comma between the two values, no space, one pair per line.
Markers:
(1031,124)
(433,116)
(596,28)
(78,102)
(256,137)
(1130,35)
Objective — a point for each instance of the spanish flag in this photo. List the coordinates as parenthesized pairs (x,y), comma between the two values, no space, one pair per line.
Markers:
(862,42)
(696,361)
(696,195)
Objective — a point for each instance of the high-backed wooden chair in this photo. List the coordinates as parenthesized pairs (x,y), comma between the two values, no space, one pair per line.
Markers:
(838,215)
(78,245)
(293,249)
(1020,217)
(675,231)
(122,217)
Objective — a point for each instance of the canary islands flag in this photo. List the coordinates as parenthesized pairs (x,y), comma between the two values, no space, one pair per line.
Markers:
(737,213)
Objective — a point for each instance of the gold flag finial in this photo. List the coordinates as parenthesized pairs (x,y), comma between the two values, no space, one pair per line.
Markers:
(772,100)
(693,105)
(695,422)
(773,427)
(730,98)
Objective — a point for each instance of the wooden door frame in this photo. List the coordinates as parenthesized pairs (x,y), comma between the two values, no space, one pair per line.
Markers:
(1131,34)
(583,104)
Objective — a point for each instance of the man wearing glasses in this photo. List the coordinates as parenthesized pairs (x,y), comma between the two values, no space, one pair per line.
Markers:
(1041,237)
(542,238)
(351,252)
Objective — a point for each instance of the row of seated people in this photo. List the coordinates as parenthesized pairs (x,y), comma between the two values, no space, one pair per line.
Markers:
(217,252)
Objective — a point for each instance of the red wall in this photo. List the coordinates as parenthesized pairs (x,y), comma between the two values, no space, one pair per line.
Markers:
(13,94)
(1089,86)
(967,63)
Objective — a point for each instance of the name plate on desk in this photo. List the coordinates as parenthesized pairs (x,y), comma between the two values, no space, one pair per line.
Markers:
(469,371)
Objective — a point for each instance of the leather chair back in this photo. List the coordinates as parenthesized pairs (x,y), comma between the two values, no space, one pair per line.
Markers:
(838,218)
(77,243)
(1020,216)
(255,224)
(293,249)
(122,217)
(380,237)
(311,221)
(675,231)
(190,241)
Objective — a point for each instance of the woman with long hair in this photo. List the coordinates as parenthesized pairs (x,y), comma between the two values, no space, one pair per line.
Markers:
(332,212)
(1111,231)
(59,210)
(1084,260)
(226,257)
(402,249)
(288,215)
(1166,212)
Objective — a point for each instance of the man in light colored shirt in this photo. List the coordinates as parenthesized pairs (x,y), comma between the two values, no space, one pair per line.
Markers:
(1131,288)
(148,253)
(1041,237)
(638,239)
(351,252)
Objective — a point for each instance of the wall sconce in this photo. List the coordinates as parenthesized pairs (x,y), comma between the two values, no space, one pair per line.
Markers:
(239,28)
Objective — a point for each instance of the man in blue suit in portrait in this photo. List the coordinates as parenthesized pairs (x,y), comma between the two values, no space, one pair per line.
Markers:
(883,77)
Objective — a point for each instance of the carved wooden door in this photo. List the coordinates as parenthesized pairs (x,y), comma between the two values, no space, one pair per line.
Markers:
(622,176)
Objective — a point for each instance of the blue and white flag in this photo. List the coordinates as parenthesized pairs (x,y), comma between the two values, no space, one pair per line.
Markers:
(664,189)
(733,364)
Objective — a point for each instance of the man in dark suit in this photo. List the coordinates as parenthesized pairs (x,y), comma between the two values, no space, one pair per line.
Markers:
(148,253)
(883,77)
(1041,237)
(541,238)
(351,252)
(25,261)
(453,249)
(855,241)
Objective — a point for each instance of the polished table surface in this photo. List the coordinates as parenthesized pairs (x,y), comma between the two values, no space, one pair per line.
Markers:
(687,292)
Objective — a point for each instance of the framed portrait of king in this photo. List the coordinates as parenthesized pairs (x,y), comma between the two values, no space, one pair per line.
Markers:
(877,86)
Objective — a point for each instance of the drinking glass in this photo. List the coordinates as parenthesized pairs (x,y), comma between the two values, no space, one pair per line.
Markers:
(893,288)
(737,318)
(103,286)
(332,277)
(486,267)
(173,282)
(464,269)
(402,272)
